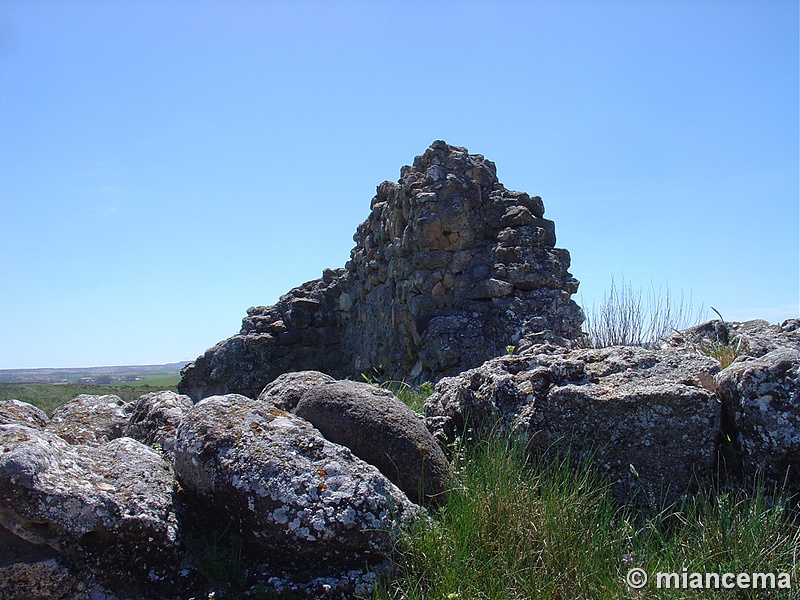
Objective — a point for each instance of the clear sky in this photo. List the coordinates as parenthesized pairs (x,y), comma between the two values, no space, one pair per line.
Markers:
(164,165)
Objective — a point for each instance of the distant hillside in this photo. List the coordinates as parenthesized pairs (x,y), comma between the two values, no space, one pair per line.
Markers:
(94,375)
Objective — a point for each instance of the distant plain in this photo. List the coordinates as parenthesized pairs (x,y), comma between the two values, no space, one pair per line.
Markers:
(50,388)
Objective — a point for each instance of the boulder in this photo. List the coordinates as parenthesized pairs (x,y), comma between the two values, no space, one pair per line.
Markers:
(748,339)
(380,430)
(107,507)
(155,418)
(93,420)
(761,399)
(22,413)
(31,571)
(448,269)
(649,418)
(285,392)
(292,495)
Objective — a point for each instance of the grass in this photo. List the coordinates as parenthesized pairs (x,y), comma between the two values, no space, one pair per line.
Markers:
(626,317)
(413,397)
(512,529)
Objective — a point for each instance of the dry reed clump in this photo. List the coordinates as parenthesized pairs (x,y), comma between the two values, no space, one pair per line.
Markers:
(627,317)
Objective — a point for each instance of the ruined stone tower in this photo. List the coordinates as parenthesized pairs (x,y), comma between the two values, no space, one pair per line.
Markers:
(448,270)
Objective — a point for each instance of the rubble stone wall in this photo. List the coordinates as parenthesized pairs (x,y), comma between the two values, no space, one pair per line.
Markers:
(449,269)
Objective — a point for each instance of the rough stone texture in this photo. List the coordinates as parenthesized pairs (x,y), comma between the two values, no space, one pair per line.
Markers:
(761,398)
(45,579)
(93,420)
(109,507)
(380,430)
(31,571)
(22,413)
(155,418)
(285,392)
(449,268)
(293,494)
(653,409)
(751,339)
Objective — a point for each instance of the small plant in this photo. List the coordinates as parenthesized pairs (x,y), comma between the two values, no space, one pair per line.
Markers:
(626,318)
(724,353)
(413,397)
(510,349)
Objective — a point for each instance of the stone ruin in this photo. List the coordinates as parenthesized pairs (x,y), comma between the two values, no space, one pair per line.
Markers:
(449,269)
(316,477)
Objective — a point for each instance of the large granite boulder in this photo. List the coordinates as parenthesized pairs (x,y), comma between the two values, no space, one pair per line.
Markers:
(108,508)
(155,418)
(448,270)
(649,418)
(761,398)
(90,419)
(295,497)
(382,431)
(22,413)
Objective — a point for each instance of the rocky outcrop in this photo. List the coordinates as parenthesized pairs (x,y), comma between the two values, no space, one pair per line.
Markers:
(293,494)
(381,430)
(448,270)
(155,418)
(759,393)
(761,399)
(22,413)
(108,507)
(112,519)
(88,419)
(648,418)
(745,340)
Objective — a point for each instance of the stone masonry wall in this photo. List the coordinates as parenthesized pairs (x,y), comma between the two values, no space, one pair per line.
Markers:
(448,270)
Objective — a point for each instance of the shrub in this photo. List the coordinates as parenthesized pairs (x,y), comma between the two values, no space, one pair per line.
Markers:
(626,317)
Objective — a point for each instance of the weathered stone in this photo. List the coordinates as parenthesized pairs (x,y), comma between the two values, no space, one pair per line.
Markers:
(447,245)
(749,339)
(155,418)
(380,430)
(285,392)
(93,420)
(645,416)
(31,571)
(22,413)
(108,507)
(761,398)
(288,491)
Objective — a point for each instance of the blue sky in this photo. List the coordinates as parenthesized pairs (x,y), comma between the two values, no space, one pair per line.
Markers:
(165,165)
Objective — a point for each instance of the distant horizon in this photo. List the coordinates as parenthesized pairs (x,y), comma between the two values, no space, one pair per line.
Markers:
(84,367)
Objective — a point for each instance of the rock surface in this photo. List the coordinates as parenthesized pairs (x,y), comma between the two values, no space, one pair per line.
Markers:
(285,392)
(449,268)
(382,431)
(748,339)
(293,494)
(761,397)
(649,418)
(155,418)
(108,506)
(22,413)
(89,419)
